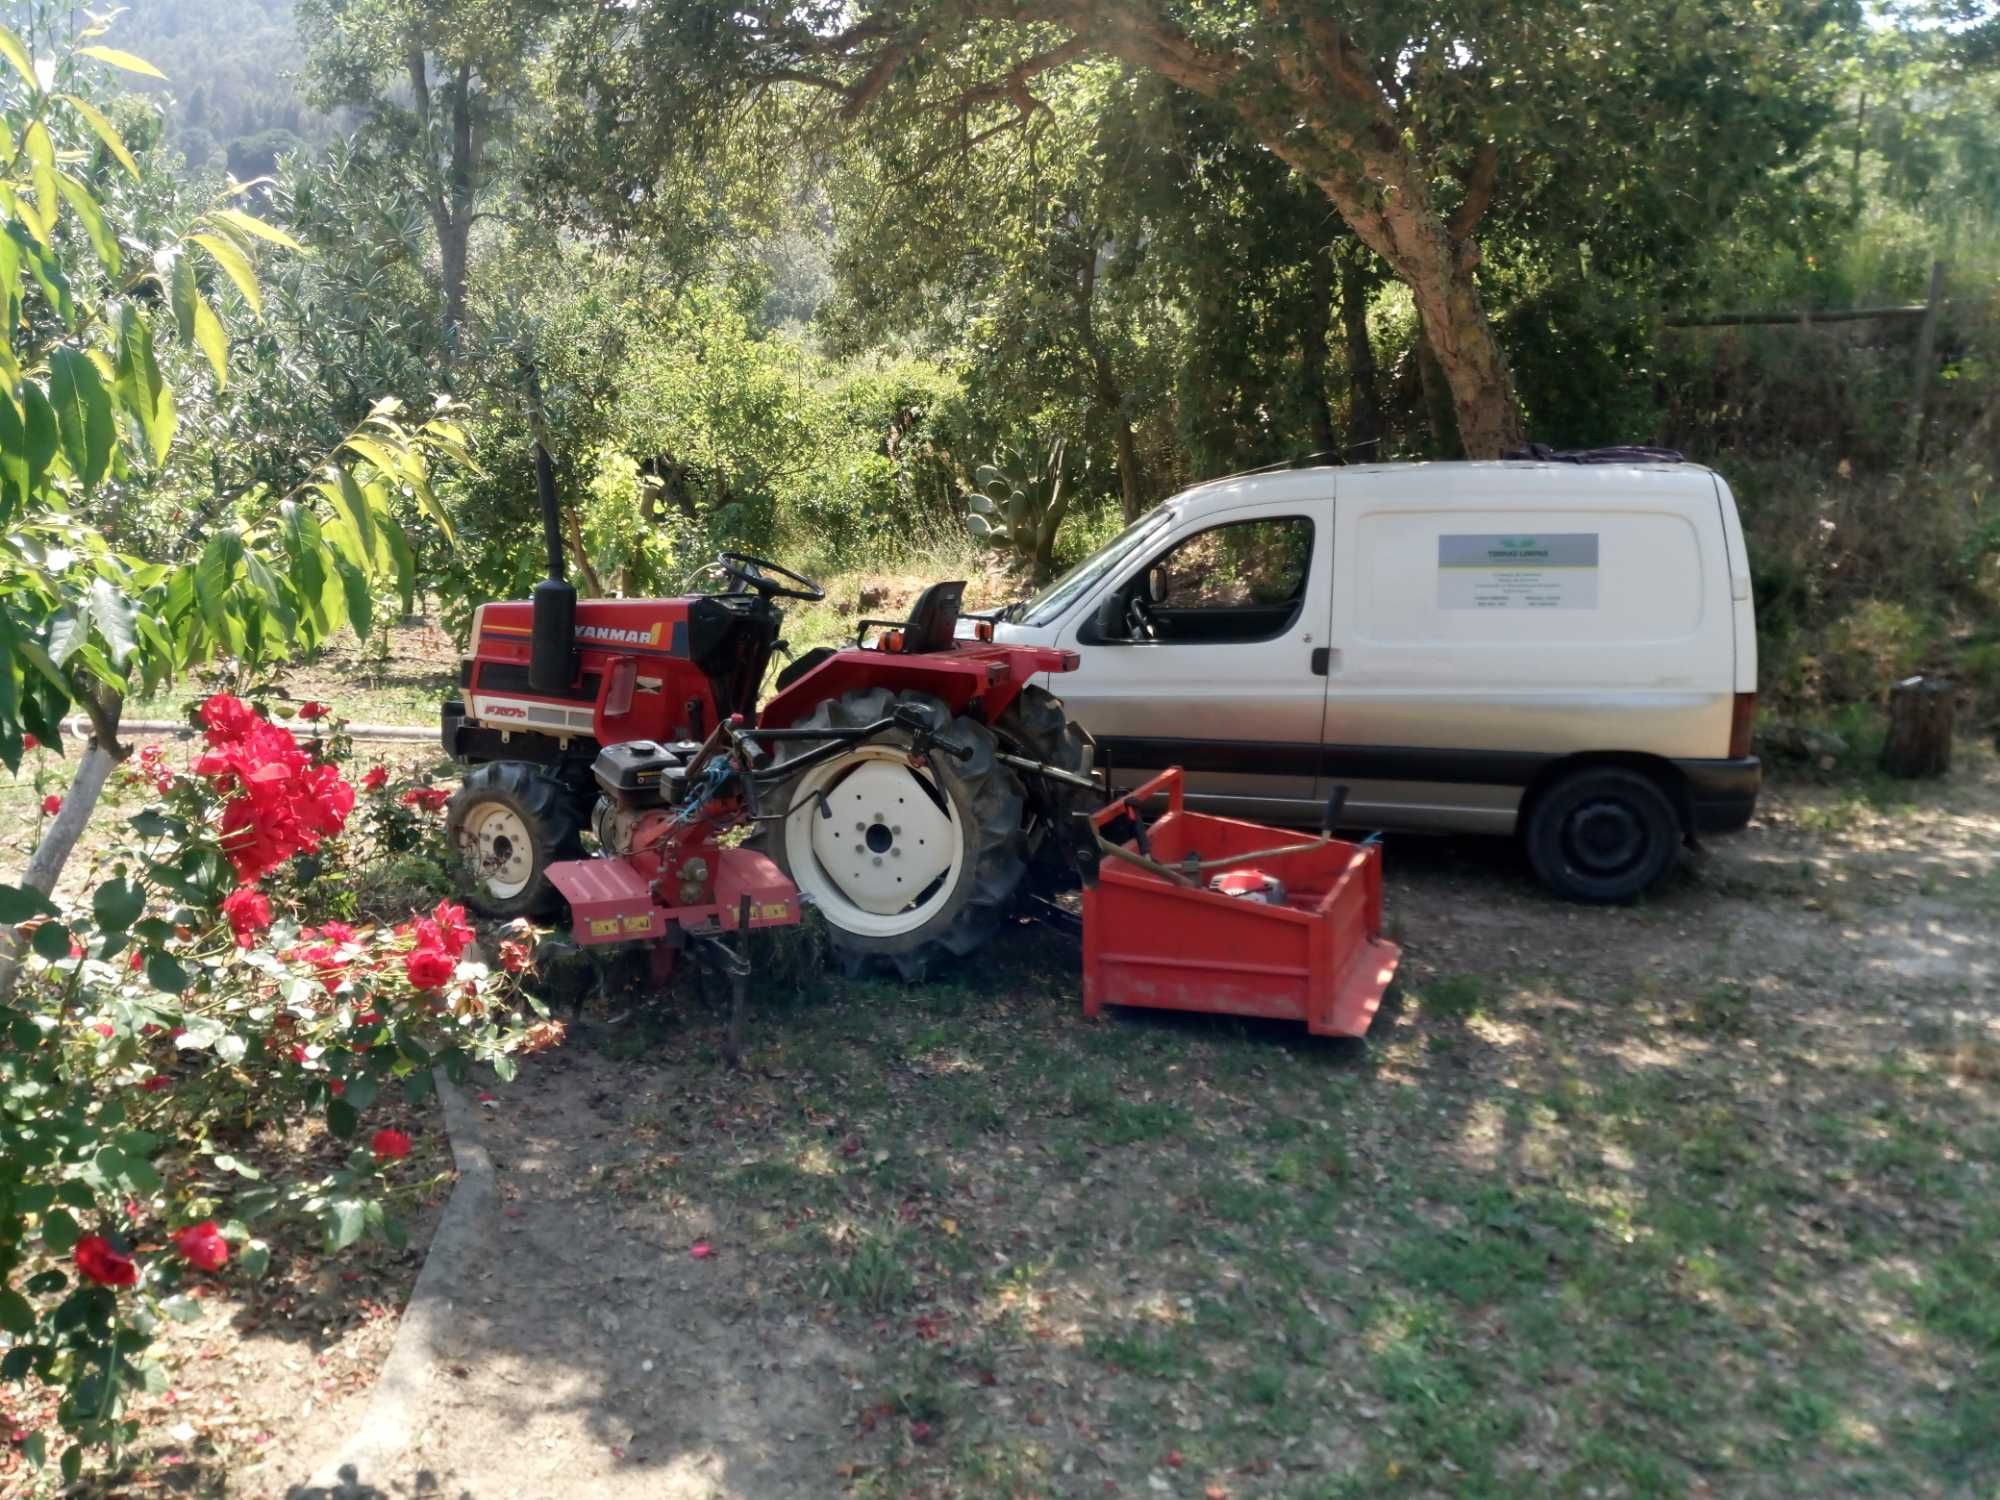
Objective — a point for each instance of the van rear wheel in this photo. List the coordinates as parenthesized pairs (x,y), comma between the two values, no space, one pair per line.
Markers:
(1602,834)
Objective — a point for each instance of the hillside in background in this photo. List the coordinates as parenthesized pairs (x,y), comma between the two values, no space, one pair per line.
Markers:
(232,98)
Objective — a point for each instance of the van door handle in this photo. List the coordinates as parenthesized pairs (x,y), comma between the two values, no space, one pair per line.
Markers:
(1322,660)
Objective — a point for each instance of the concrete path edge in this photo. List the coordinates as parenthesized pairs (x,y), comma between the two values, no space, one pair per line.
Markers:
(356,1468)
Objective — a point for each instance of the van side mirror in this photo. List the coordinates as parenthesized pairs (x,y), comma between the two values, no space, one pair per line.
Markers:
(1109,624)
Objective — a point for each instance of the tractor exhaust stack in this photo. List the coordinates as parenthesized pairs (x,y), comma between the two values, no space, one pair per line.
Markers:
(552,659)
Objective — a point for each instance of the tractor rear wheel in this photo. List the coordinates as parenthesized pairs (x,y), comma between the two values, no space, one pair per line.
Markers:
(1037,727)
(507,823)
(907,861)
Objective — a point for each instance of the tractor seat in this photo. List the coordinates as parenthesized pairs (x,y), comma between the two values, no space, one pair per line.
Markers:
(932,625)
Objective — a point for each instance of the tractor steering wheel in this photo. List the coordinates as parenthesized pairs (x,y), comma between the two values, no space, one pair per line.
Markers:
(762,575)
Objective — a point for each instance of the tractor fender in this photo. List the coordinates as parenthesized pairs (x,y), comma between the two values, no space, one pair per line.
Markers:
(990,676)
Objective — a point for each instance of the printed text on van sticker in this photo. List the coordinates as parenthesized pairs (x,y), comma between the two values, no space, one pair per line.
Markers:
(1550,570)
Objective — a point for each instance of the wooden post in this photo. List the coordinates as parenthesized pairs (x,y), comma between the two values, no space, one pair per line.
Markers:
(1920,725)
(1913,435)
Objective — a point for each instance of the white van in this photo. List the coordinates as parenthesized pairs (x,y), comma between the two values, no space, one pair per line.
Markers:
(1563,650)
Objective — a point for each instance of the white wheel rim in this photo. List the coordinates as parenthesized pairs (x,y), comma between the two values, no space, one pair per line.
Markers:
(501,851)
(869,842)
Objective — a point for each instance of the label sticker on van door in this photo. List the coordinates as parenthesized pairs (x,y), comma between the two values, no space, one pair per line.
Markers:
(1547,570)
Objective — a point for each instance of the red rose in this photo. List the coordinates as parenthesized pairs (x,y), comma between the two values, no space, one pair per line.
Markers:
(376,779)
(325,961)
(390,1145)
(313,710)
(29,742)
(156,1083)
(334,932)
(298,1054)
(429,968)
(225,719)
(51,805)
(153,767)
(249,913)
(201,1245)
(453,931)
(100,1261)
(429,798)
(106,1029)
(280,802)
(137,961)
(368,1018)
(337,1087)
(513,956)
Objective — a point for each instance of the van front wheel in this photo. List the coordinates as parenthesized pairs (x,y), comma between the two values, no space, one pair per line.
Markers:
(1602,834)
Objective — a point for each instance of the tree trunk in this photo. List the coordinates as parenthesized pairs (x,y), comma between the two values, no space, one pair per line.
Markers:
(1920,725)
(452,252)
(1446,429)
(458,180)
(1317,104)
(449,204)
(1314,353)
(1131,499)
(58,841)
(1364,401)
(1108,394)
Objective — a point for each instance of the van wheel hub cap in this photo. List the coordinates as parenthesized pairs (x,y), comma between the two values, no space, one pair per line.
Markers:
(1605,838)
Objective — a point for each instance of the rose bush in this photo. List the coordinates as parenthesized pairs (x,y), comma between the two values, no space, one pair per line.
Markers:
(179,1010)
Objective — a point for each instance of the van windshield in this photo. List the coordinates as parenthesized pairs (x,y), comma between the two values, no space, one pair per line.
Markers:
(1050,603)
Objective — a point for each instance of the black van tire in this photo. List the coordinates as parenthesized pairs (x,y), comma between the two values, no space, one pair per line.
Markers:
(1602,834)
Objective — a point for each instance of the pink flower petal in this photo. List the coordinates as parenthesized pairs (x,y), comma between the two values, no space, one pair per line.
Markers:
(701,1250)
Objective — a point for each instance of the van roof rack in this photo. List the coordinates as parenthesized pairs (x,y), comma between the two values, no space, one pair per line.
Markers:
(1543,453)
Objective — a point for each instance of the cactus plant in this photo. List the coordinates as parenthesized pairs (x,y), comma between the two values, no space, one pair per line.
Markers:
(1019,503)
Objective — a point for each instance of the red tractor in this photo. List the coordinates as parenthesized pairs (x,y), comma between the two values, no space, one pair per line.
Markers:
(905,786)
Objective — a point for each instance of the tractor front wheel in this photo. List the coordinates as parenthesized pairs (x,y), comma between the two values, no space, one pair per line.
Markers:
(507,823)
(906,857)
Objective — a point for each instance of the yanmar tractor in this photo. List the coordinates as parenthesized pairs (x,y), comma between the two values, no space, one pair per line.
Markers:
(906,786)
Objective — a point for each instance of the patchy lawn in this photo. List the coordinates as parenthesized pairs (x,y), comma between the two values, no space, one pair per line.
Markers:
(1695,1197)
(1691,1198)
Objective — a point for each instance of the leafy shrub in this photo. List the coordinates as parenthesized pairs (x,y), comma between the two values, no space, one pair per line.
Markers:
(1872,645)
(160,1023)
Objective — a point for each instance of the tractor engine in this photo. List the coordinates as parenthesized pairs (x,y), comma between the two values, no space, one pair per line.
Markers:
(663,866)
(643,786)
(640,784)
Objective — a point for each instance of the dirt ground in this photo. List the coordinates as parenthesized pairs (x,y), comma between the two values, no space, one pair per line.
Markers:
(1689,1198)
(1694,1197)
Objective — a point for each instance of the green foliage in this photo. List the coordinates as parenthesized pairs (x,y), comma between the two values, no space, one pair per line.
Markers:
(153,1048)
(117,346)
(1020,503)
(228,95)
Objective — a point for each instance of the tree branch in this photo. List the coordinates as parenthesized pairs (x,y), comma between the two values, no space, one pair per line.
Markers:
(1143,40)
(1014,86)
(865,92)
(798,75)
(1480,180)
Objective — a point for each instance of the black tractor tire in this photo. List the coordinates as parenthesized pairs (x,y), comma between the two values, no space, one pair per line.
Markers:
(1037,727)
(1602,834)
(981,797)
(495,805)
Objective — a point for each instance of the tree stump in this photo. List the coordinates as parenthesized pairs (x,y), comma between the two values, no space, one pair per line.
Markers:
(1920,724)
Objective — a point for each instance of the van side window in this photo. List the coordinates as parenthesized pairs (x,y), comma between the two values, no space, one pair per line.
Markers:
(1242,581)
